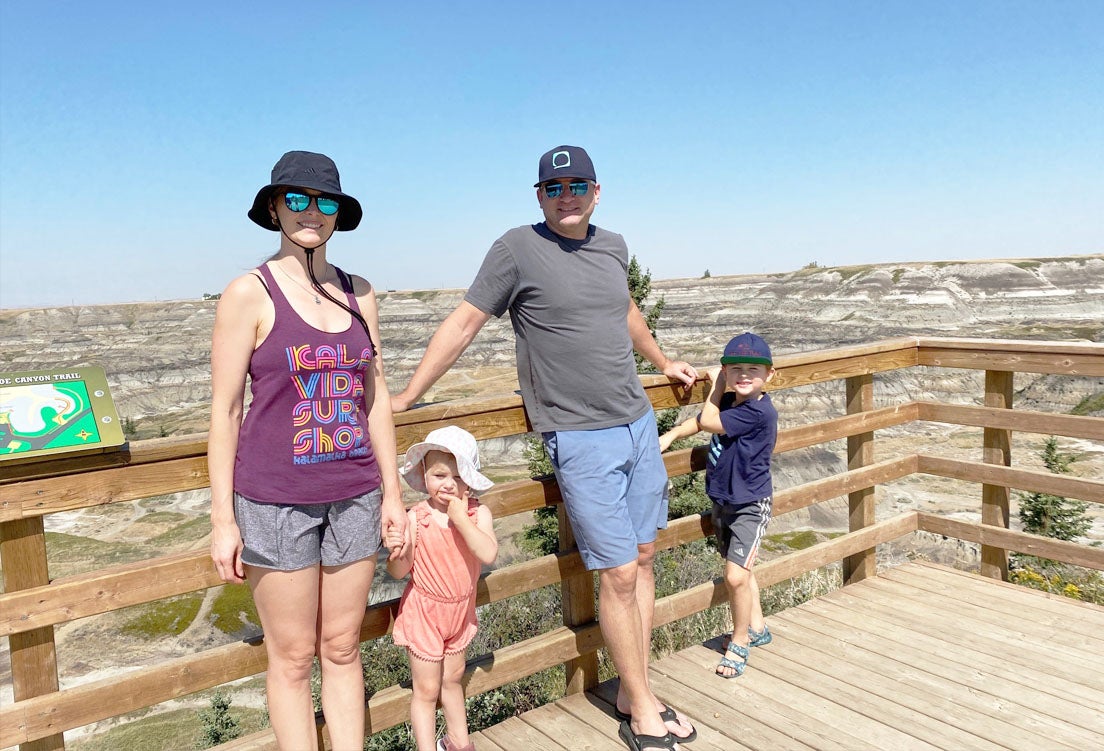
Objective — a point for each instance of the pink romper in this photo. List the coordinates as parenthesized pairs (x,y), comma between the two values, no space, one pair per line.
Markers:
(437,610)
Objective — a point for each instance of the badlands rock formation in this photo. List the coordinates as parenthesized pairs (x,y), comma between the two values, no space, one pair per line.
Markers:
(156,353)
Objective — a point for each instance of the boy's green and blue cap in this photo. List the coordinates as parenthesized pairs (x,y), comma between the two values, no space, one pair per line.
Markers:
(747,347)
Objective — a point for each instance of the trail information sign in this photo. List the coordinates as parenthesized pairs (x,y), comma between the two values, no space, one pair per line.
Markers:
(50,412)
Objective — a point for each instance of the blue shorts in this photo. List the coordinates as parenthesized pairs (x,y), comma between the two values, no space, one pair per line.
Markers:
(614,486)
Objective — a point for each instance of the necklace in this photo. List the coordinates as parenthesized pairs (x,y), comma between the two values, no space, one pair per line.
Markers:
(293,280)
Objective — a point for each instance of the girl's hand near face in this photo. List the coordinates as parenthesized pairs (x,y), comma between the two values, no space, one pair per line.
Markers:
(457,506)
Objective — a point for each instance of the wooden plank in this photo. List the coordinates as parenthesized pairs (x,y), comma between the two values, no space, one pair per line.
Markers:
(937,718)
(998,609)
(880,346)
(693,459)
(90,702)
(1013,361)
(971,699)
(1020,542)
(1035,598)
(996,449)
(817,433)
(1025,421)
(33,653)
(854,624)
(818,371)
(516,733)
(999,599)
(553,722)
(823,724)
(577,608)
(598,713)
(977,670)
(105,589)
(664,393)
(1013,631)
(1020,479)
(835,486)
(51,495)
(895,638)
(860,503)
(863,600)
(1089,349)
(998,638)
(710,594)
(830,551)
(131,453)
(720,725)
(880,706)
(262,740)
(483,743)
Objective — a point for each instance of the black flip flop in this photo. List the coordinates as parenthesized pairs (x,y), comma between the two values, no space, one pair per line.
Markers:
(667,715)
(640,742)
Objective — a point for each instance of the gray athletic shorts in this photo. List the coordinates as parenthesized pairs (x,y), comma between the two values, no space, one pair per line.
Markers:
(740,529)
(289,537)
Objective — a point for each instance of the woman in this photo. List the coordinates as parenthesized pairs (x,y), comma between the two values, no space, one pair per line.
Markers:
(304,488)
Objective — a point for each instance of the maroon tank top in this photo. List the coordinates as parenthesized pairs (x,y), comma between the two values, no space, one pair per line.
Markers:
(305,436)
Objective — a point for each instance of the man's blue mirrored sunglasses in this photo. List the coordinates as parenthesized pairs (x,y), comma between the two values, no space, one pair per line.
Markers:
(577,188)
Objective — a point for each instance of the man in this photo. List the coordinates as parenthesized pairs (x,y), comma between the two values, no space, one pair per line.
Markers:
(564,283)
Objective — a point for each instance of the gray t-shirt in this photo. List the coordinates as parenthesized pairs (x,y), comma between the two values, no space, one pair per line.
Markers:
(569,303)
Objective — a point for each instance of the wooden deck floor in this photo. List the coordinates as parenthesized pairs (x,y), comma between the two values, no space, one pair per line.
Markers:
(920,657)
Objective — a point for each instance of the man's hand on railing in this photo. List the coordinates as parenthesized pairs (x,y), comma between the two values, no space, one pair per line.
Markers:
(681,371)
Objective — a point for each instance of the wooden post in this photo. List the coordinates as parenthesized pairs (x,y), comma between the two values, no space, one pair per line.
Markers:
(33,656)
(996,449)
(577,593)
(860,504)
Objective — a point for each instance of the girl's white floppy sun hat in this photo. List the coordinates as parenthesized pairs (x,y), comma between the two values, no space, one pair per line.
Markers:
(452,440)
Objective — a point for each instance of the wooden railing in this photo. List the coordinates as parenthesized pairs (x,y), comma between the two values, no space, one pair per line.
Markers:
(32,605)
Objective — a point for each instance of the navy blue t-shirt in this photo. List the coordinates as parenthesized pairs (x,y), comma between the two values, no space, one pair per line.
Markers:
(739,460)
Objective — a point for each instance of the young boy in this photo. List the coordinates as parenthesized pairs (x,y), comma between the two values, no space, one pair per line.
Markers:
(738,481)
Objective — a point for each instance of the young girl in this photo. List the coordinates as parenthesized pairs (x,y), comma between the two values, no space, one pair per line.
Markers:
(447,539)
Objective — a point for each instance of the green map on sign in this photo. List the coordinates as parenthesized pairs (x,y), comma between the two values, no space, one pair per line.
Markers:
(45,416)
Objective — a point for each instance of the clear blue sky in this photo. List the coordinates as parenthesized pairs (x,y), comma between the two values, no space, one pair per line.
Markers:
(730,136)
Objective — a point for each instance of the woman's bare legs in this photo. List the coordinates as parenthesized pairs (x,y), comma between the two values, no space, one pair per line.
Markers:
(340,614)
(287,603)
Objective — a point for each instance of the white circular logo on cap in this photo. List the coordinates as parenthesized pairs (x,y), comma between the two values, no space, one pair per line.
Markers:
(561,159)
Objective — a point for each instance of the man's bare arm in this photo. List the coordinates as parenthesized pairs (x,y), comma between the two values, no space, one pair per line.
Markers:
(450,340)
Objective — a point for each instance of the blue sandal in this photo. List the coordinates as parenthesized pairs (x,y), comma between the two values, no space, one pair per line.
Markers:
(727,662)
(759,638)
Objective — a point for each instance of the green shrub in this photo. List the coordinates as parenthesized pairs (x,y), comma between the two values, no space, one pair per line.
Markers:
(1050,515)
(218,725)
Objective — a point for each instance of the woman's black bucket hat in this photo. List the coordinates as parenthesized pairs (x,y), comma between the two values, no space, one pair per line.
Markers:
(305,169)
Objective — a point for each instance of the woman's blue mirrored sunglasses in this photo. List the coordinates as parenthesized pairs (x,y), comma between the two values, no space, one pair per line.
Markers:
(300,201)
(577,188)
